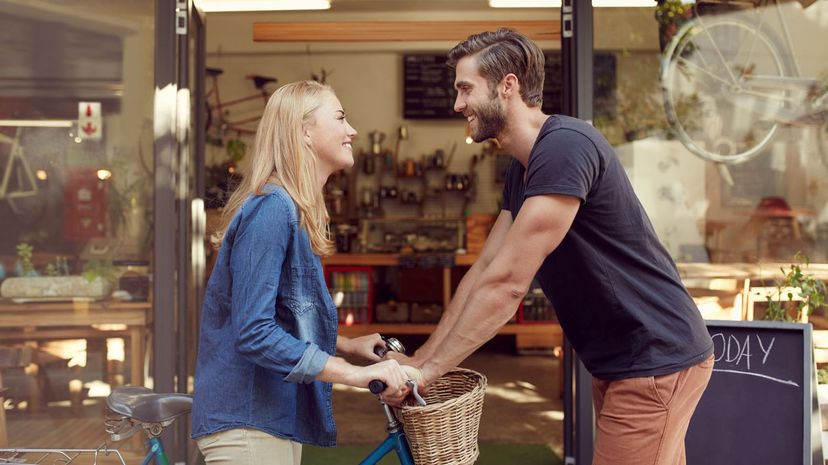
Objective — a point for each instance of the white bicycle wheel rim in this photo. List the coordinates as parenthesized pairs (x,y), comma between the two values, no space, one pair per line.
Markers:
(669,65)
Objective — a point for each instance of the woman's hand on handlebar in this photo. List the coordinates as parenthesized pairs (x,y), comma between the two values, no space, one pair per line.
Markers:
(389,372)
(364,346)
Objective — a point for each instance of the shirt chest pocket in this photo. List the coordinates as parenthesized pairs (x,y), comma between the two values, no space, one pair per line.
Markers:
(303,290)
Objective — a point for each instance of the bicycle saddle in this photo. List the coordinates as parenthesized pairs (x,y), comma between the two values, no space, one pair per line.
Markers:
(143,405)
(213,71)
(260,81)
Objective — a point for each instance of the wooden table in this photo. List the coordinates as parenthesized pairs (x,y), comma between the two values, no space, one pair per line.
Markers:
(753,271)
(38,321)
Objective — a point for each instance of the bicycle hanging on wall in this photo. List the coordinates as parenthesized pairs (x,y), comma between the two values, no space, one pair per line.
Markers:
(730,82)
(20,184)
(222,117)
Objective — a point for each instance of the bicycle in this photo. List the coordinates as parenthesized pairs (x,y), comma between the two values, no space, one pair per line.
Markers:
(130,409)
(729,84)
(19,184)
(396,440)
(218,120)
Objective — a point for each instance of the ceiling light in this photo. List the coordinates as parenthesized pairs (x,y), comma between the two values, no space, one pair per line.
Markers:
(36,123)
(557,3)
(624,3)
(262,5)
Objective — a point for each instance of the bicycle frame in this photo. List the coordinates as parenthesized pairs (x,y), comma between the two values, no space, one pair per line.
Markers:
(25,178)
(155,451)
(221,108)
(395,441)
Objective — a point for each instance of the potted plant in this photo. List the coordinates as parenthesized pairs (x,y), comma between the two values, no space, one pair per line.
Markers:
(95,283)
(798,292)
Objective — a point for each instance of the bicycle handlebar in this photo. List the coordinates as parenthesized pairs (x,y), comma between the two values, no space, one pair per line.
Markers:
(376,386)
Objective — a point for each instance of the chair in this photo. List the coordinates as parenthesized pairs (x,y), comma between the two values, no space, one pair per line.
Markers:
(784,294)
(10,357)
(719,298)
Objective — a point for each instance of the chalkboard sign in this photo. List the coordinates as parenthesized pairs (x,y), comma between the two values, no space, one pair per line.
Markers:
(428,86)
(760,406)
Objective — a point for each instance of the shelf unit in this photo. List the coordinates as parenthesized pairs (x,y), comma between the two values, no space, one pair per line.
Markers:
(530,331)
(356,283)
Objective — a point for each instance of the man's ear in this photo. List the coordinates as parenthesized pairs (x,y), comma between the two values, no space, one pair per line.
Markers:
(510,85)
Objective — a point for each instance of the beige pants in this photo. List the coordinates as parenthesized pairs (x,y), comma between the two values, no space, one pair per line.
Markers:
(643,421)
(246,446)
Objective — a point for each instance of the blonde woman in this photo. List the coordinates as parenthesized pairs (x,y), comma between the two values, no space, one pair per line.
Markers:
(269,327)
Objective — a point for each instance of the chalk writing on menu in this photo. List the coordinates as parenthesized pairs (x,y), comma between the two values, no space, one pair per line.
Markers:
(745,355)
(428,86)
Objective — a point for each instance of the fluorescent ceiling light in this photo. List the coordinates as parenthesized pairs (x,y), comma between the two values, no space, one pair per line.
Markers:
(36,123)
(262,5)
(557,3)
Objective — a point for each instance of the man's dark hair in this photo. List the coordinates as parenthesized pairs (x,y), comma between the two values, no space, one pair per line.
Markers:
(500,53)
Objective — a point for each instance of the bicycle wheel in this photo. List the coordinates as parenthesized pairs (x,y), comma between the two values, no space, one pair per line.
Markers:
(720,83)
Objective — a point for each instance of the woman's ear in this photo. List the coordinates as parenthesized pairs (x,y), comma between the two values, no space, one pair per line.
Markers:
(306,136)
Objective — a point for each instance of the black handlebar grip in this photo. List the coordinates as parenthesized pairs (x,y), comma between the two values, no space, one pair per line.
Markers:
(376,386)
(380,351)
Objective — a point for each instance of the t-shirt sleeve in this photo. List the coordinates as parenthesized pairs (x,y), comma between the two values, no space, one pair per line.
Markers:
(566,162)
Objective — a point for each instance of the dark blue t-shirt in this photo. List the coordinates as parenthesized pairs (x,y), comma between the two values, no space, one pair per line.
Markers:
(617,292)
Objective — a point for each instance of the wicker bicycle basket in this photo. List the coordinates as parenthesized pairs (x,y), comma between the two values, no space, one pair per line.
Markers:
(444,432)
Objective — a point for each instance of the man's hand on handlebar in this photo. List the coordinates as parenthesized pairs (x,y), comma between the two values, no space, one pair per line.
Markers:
(395,399)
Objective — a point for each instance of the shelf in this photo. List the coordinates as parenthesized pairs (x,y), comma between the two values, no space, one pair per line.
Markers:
(527,336)
(382,259)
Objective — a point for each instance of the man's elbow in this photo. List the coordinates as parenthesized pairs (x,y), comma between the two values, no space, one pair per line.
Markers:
(508,288)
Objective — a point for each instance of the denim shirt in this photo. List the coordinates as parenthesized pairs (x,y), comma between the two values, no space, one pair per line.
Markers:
(268,326)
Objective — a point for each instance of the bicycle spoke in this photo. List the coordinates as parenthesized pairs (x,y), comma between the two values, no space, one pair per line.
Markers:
(708,73)
(719,53)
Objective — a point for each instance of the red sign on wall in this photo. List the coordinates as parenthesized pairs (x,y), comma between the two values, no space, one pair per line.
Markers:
(84,205)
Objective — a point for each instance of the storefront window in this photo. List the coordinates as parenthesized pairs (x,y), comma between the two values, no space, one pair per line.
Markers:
(719,116)
(76,170)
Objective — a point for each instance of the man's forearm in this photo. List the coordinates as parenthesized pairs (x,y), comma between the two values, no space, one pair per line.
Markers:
(490,306)
(450,314)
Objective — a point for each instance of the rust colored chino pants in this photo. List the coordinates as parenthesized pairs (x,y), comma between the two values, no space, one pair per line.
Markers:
(643,421)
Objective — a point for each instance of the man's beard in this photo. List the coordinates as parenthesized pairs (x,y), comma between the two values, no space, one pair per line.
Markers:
(490,121)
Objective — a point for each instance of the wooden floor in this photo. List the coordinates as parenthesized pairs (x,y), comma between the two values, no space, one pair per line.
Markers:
(55,432)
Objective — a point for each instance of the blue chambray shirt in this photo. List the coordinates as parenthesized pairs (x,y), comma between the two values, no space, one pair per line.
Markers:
(268,326)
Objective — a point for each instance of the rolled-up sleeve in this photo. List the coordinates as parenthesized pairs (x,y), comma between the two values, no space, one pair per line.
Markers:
(259,248)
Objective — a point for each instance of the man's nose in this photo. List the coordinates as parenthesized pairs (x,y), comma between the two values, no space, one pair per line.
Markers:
(459,104)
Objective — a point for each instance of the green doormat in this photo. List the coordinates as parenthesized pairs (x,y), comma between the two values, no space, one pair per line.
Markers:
(490,454)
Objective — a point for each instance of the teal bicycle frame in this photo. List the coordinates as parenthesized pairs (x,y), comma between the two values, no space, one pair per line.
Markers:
(395,441)
(155,450)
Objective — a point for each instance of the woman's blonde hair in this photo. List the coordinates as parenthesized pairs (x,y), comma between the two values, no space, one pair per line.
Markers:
(280,155)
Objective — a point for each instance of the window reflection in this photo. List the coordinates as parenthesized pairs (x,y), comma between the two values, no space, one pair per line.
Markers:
(721,124)
(76,86)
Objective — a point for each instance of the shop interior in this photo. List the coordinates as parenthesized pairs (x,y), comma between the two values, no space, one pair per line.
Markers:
(78,197)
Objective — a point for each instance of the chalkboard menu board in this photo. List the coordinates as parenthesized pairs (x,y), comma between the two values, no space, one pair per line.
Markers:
(760,406)
(428,86)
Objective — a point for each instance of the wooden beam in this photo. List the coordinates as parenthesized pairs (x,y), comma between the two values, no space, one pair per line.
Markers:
(397,31)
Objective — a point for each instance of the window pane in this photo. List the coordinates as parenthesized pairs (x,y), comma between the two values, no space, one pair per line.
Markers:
(76,93)
(718,112)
